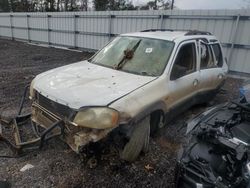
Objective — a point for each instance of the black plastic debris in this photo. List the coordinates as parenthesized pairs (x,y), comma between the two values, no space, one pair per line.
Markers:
(217,150)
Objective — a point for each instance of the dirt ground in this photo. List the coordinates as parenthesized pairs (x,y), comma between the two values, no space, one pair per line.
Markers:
(56,165)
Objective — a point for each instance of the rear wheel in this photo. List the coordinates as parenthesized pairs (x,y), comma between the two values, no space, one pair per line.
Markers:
(139,140)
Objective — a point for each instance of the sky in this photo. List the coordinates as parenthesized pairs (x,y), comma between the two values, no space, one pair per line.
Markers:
(206,4)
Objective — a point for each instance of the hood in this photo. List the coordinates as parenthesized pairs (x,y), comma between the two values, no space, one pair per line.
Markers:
(86,84)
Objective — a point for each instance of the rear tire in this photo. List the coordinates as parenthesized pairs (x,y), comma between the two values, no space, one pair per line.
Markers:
(138,142)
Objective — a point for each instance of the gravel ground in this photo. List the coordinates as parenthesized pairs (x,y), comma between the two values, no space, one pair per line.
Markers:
(56,165)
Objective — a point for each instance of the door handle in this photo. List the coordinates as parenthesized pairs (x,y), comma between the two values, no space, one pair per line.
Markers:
(195,82)
(220,76)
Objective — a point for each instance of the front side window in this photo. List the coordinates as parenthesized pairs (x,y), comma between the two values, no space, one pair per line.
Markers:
(185,62)
(143,56)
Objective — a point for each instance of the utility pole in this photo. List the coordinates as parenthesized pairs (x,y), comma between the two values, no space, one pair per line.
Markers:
(172,5)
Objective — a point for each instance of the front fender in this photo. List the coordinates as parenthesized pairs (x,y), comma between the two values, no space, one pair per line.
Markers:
(158,106)
(127,127)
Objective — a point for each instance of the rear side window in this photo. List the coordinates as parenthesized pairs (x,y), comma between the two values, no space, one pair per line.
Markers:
(218,55)
(206,57)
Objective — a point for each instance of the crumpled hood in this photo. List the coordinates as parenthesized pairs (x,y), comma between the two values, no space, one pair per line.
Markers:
(86,84)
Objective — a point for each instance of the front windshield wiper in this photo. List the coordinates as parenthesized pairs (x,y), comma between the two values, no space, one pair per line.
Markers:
(128,54)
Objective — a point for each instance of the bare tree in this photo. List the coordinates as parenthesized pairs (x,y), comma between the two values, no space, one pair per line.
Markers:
(157,5)
(84,5)
(58,5)
(11,5)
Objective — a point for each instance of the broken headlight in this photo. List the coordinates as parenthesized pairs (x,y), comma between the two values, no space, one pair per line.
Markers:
(97,118)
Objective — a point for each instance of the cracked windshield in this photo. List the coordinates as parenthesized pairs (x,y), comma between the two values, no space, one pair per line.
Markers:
(136,55)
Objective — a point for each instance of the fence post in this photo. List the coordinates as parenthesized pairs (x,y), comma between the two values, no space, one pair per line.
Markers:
(28,28)
(233,38)
(11,27)
(48,22)
(161,17)
(110,25)
(75,30)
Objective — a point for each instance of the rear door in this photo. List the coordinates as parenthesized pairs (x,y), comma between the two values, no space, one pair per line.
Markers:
(219,65)
(209,65)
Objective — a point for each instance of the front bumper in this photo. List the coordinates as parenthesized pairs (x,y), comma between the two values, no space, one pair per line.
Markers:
(76,137)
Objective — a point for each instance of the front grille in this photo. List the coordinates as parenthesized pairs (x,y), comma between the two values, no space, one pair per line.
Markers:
(54,107)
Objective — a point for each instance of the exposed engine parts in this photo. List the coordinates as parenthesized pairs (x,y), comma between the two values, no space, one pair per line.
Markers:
(216,154)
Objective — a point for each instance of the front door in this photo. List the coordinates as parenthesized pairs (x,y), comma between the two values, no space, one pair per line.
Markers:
(183,78)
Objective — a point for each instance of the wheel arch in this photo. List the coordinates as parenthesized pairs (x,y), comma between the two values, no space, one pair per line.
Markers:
(159,106)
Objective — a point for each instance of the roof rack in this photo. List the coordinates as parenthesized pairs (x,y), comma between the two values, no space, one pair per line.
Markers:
(189,32)
(154,30)
(196,32)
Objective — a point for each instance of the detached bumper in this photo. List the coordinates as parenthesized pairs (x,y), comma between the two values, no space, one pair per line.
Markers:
(76,137)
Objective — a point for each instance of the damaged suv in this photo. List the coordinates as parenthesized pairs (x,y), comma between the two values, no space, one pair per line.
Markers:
(135,84)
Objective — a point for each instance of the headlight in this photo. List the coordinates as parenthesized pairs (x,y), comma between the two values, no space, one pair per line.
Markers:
(97,118)
(32,91)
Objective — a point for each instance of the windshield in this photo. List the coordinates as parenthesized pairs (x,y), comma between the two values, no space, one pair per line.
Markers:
(142,56)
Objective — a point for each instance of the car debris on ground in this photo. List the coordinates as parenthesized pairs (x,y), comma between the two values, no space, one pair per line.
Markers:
(26,167)
(217,152)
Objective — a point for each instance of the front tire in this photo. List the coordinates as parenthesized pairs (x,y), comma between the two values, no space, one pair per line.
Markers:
(139,140)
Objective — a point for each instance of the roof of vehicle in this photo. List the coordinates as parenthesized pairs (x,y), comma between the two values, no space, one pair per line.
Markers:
(171,35)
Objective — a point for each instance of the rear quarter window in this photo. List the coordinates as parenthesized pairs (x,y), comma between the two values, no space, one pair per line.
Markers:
(218,55)
(206,60)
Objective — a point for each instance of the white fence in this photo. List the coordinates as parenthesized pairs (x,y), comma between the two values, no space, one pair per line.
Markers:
(92,30)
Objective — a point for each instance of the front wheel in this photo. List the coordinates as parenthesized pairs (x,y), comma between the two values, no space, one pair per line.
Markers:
(139,140)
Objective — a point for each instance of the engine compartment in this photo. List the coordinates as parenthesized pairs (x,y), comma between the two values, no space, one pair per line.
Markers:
(216,153)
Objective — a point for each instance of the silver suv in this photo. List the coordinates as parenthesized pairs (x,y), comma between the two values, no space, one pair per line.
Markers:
(135,84)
